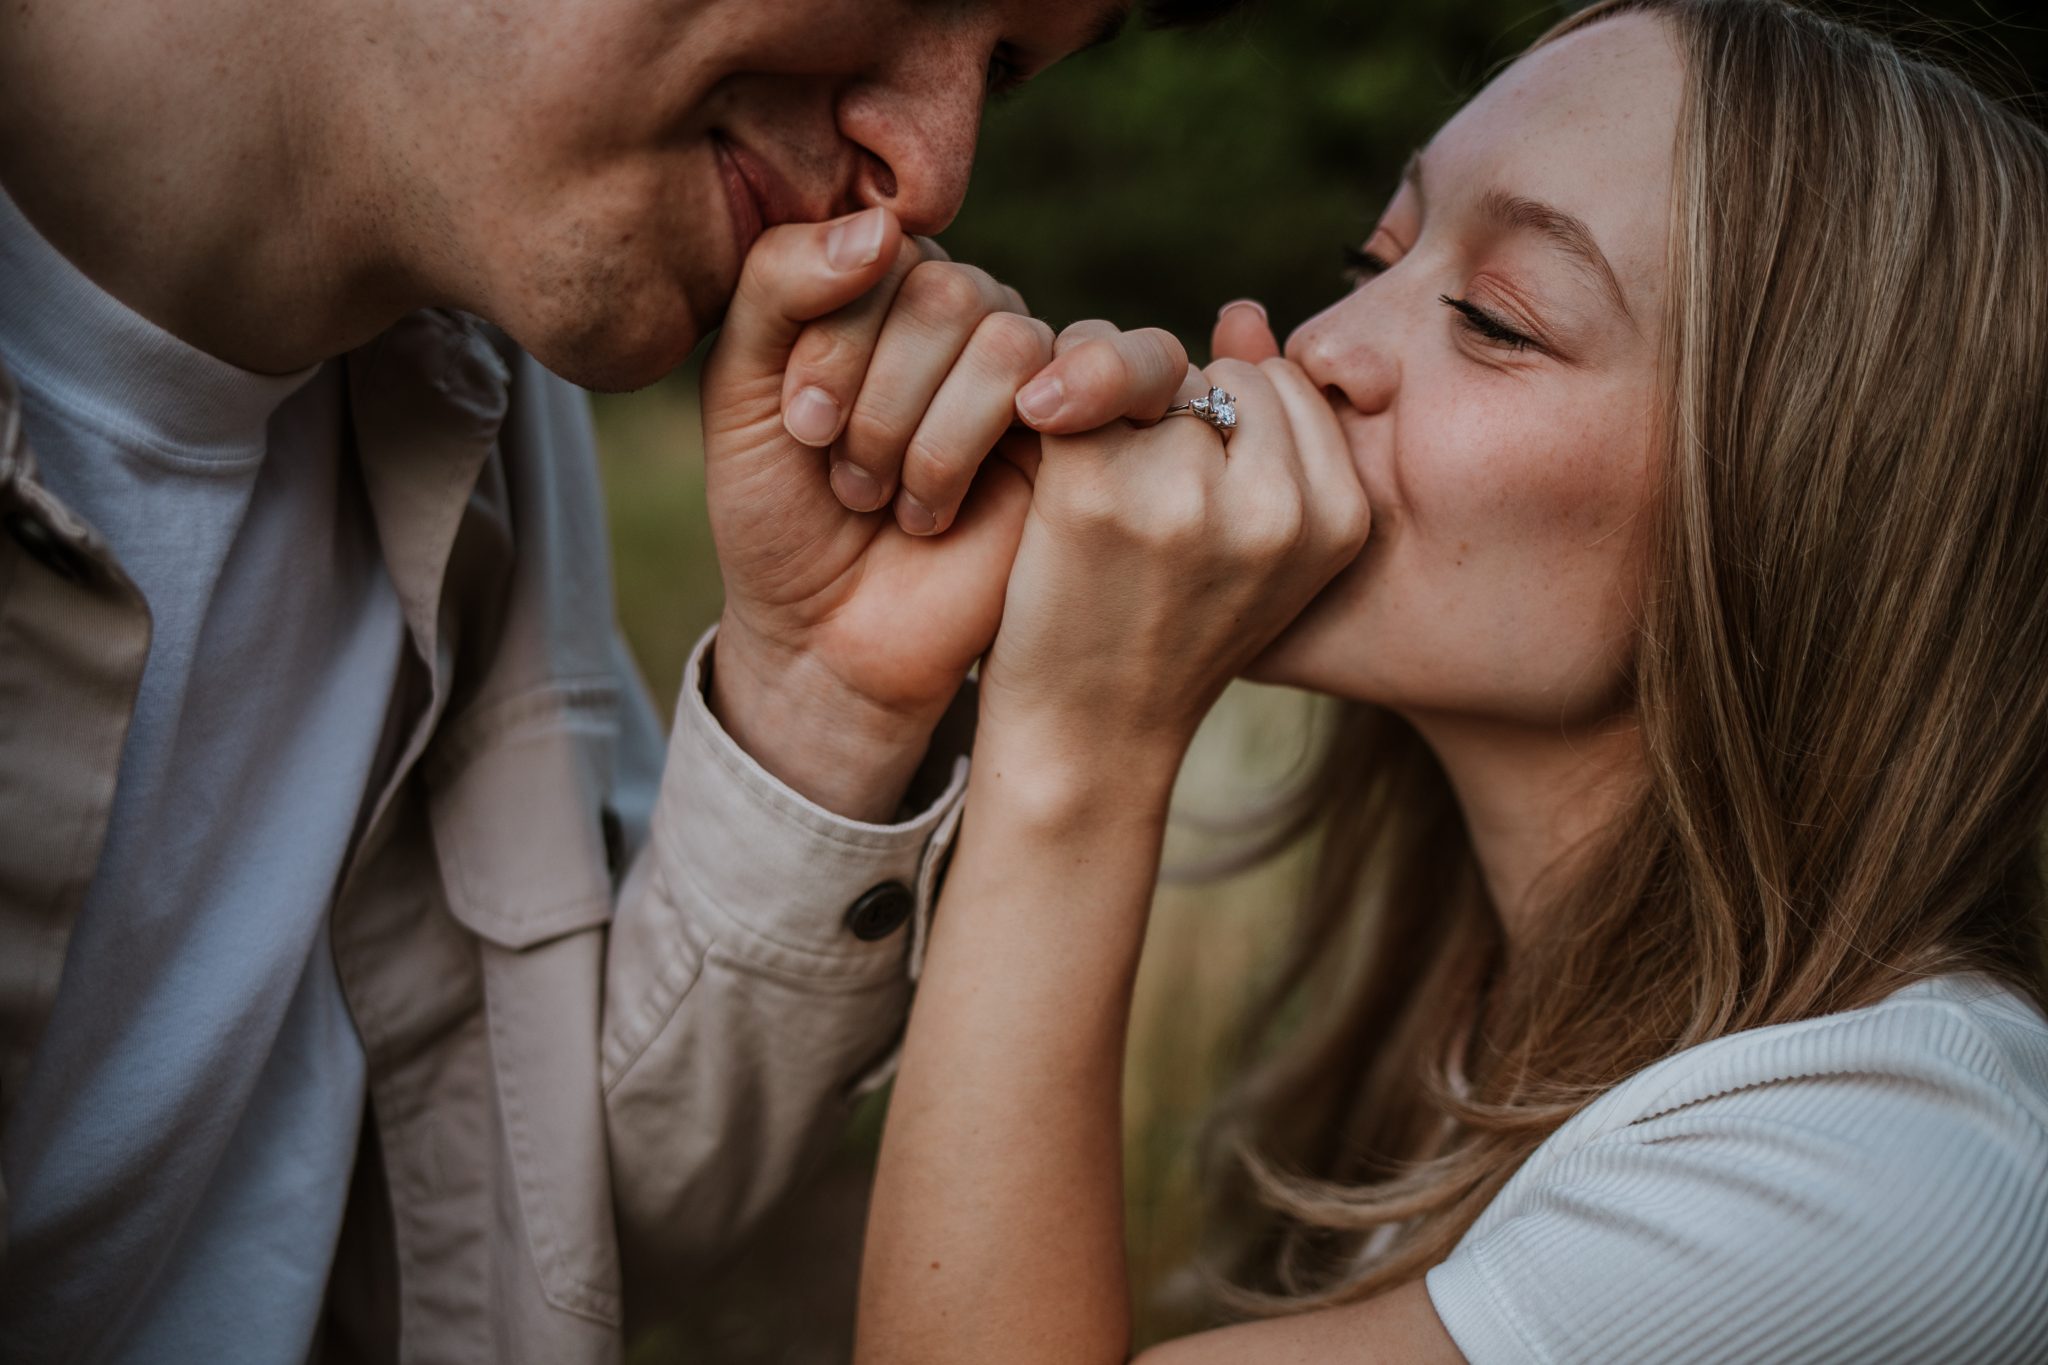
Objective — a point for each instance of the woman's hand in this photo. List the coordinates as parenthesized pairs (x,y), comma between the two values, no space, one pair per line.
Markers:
(1157,560)
(1155,563)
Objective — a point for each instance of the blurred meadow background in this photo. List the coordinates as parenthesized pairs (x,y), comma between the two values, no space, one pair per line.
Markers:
(1147,182)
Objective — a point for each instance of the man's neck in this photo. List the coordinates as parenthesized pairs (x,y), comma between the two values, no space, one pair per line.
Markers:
(1533,798)
(191,163)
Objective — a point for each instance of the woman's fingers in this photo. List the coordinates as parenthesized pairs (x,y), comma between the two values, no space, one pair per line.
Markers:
(1242,333)
(1263,466)
(967,418)
(1336,499)
(1296,500)
(1100,374)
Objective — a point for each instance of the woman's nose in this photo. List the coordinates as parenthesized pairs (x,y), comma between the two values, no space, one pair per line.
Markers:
(917,124)
(1344,348)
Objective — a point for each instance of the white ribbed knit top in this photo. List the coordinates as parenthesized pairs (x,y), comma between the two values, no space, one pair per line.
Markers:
(1869,1186)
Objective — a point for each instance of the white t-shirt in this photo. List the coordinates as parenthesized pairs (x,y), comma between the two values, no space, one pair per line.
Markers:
(179,1158)
(1864,1187)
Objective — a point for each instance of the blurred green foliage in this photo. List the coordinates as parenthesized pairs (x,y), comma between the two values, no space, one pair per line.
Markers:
(1151,180)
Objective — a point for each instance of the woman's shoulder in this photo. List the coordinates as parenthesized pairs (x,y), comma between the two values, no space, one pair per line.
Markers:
(1958,1034)
(1830,1188)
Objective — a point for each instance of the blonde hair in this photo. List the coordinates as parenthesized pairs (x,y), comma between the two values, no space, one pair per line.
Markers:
(1841,678)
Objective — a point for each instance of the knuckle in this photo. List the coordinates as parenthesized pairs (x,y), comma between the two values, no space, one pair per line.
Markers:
(1088,504)
(1098,365)
(870,432)
(1163,349)
(1014,343)
(1234,375)
(930,468)
(1088,329)
(1274,524)
(756,287)
(1173,516)
(824,351)
(941,289)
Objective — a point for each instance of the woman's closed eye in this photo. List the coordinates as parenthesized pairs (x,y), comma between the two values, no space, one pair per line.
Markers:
(1362,264)
(1487,327)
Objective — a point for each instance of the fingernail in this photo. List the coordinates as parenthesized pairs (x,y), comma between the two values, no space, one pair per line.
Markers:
(855,487)
(914,517)
(857,241)
(1041,400)
(1252,304)
(812,417)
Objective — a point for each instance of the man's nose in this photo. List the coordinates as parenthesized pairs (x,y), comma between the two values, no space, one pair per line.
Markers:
(918,125)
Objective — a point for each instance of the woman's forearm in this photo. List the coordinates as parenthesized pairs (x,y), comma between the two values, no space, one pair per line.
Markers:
(997,1227)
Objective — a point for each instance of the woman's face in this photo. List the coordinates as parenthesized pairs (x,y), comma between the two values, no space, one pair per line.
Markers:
(1505,437)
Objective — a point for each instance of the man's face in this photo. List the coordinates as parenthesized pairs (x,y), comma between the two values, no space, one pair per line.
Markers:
(589,175)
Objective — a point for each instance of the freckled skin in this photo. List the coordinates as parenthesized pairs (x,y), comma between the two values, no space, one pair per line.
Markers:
(1502,574)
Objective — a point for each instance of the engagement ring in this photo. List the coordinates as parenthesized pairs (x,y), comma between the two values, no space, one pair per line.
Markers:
(1218,409)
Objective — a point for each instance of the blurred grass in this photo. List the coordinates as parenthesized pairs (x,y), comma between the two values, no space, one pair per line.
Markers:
(651,453)
(1146,182)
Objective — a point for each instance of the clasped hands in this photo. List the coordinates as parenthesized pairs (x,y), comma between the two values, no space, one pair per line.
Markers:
(1115,570)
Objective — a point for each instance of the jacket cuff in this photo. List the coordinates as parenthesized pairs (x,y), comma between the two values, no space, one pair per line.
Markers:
(782,874)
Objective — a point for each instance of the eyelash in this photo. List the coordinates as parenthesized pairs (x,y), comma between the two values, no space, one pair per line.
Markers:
(1361,265)
(1487,325)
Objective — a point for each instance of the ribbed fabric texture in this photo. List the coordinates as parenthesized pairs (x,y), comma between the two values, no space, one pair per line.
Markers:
(1868,1187)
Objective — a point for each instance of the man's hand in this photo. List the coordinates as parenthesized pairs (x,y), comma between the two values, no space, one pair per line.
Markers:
(845,636)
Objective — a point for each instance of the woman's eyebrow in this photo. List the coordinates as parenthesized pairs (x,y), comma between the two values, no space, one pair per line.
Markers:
(1561,229)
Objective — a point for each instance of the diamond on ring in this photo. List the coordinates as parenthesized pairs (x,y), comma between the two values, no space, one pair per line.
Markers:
(1217,408)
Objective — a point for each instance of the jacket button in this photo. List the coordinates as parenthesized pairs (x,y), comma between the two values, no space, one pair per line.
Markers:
(880,911)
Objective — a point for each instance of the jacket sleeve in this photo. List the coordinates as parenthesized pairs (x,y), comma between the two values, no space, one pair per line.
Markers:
(743,1013)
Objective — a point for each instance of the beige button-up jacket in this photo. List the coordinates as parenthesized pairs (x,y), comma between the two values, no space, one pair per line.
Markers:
(610,1004)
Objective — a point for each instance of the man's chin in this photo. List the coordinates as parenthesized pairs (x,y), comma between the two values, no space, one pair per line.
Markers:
(613,329)
(613,362)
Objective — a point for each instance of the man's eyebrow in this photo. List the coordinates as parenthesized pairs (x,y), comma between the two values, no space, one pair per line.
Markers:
(1108,26)
(1562,230)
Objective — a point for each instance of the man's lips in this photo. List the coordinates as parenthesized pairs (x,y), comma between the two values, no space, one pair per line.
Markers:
(758,196)
(740,202)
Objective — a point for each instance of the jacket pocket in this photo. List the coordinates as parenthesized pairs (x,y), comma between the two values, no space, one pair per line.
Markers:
(516,799)
(516,796)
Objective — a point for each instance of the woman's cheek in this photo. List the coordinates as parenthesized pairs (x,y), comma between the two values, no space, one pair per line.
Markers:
(1515,567)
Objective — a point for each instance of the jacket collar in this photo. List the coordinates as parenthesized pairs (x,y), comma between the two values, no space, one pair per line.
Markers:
(427,398)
